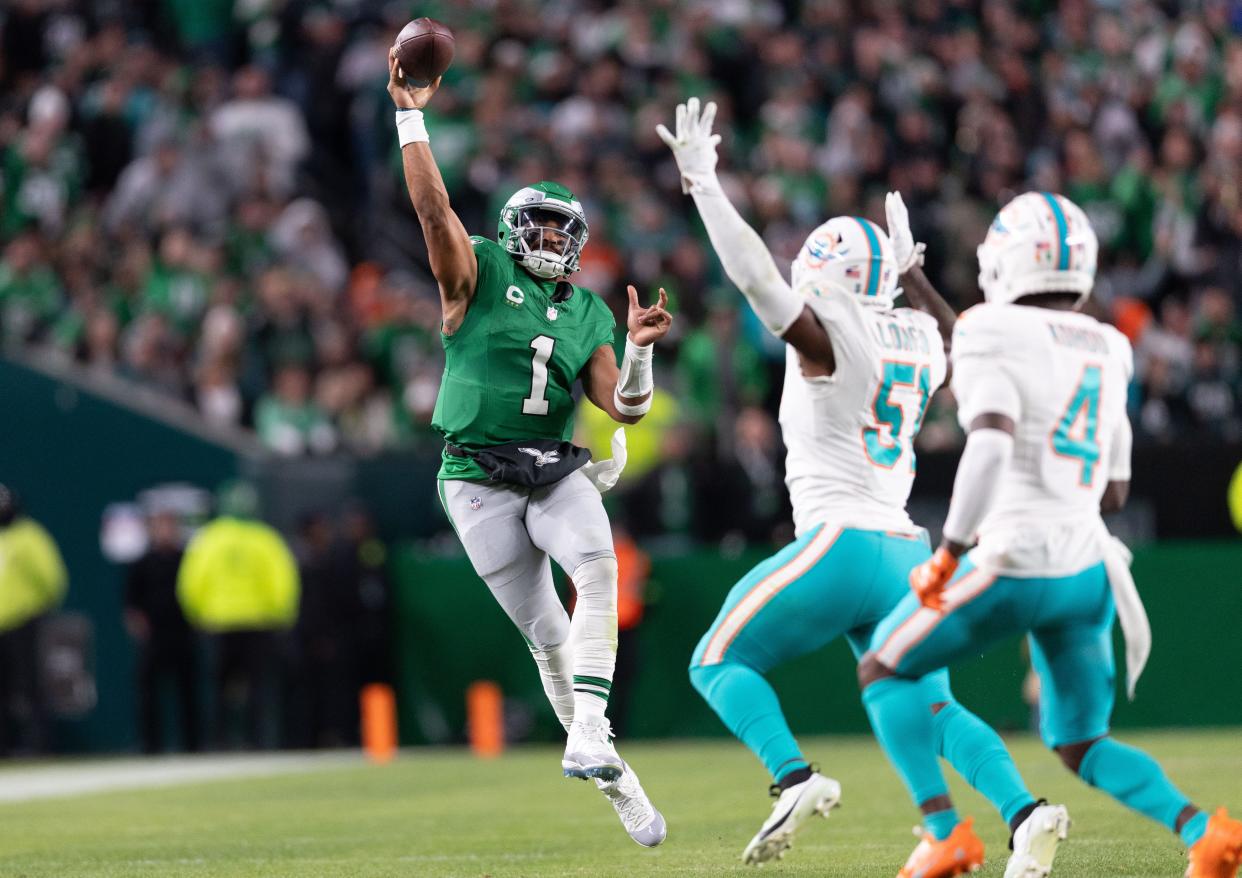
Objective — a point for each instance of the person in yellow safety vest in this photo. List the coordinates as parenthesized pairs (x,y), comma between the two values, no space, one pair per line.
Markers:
(32,584)
(239,584)
(1234,498)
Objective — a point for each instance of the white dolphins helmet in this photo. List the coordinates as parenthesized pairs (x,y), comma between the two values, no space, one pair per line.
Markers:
(1039,243)
(850,254)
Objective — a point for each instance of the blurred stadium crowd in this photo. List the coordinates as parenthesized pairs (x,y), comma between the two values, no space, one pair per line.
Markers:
(204,196)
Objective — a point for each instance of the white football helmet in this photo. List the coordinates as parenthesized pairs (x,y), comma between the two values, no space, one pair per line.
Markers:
(1039,243)
(850,254)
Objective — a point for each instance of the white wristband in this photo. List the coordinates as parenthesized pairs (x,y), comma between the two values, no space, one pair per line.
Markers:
(633,411)
(411,128)
(635,378)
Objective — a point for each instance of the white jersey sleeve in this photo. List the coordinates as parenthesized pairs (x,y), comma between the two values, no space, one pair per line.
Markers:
(985,380)
(1123,438)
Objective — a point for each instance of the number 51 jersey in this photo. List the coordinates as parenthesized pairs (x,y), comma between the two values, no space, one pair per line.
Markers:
(850,435)
(510,368)
(1062,377)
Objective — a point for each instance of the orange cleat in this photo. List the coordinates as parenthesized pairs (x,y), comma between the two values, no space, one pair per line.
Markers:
(959,854)
(1219,853)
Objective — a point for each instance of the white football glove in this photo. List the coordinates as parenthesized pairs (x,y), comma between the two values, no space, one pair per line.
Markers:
(604,473)
(694,147)
(907,253)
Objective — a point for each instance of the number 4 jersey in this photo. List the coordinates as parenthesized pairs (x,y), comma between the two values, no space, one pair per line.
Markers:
(850,435)
(1061,376)
(510,368)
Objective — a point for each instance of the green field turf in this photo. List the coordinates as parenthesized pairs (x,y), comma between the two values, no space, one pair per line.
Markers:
(443,813)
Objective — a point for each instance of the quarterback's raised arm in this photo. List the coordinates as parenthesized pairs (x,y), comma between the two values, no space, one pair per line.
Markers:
(625,392)
(448,245)
(909,255)
(743,254)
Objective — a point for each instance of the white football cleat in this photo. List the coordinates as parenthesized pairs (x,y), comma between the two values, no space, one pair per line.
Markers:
(1035,842)
(815,795)
(589,751)
(639,817)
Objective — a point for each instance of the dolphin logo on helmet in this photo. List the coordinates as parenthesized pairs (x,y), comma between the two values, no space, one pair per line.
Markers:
(848,254)
(544,228)
(1040,242)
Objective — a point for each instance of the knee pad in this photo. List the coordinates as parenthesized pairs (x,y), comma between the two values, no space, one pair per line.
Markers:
(548,631)
(596,578)
(707,678)
(701,677)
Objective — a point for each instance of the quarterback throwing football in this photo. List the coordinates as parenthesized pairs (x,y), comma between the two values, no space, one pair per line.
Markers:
(517,335)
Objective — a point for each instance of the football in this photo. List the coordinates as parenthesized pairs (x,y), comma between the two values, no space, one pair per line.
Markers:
(424,50)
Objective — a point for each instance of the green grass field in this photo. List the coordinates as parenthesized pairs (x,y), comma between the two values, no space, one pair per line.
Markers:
(443,813)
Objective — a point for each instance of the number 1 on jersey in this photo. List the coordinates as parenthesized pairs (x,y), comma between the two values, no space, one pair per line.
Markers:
(537,403)
(1075,435)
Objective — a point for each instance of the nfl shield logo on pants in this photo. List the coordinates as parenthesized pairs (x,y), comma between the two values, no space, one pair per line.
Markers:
(476,503)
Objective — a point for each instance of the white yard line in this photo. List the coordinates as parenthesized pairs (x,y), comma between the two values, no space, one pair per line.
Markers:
(79,778)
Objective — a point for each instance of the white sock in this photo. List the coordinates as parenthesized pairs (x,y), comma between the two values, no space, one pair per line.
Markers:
(593,633)
(555,670)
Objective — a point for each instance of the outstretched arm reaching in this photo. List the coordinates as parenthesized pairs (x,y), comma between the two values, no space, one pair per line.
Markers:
(745,258)
(918,289)
(448,245)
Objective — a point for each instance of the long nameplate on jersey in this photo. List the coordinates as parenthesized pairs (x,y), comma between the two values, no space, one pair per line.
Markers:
(531,463)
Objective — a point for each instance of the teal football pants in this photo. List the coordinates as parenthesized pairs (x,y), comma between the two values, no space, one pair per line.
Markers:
(829,583)
(1069,621)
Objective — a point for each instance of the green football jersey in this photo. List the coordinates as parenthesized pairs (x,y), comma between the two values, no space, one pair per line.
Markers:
(510,368)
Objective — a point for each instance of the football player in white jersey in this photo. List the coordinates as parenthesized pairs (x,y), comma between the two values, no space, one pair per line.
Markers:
(1041,390)
(857,380)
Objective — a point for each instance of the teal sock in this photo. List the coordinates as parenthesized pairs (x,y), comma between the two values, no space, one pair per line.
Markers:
(1135,780)
(747,705)
(903,726)
(1194,829)
(940,823)
(977,753)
